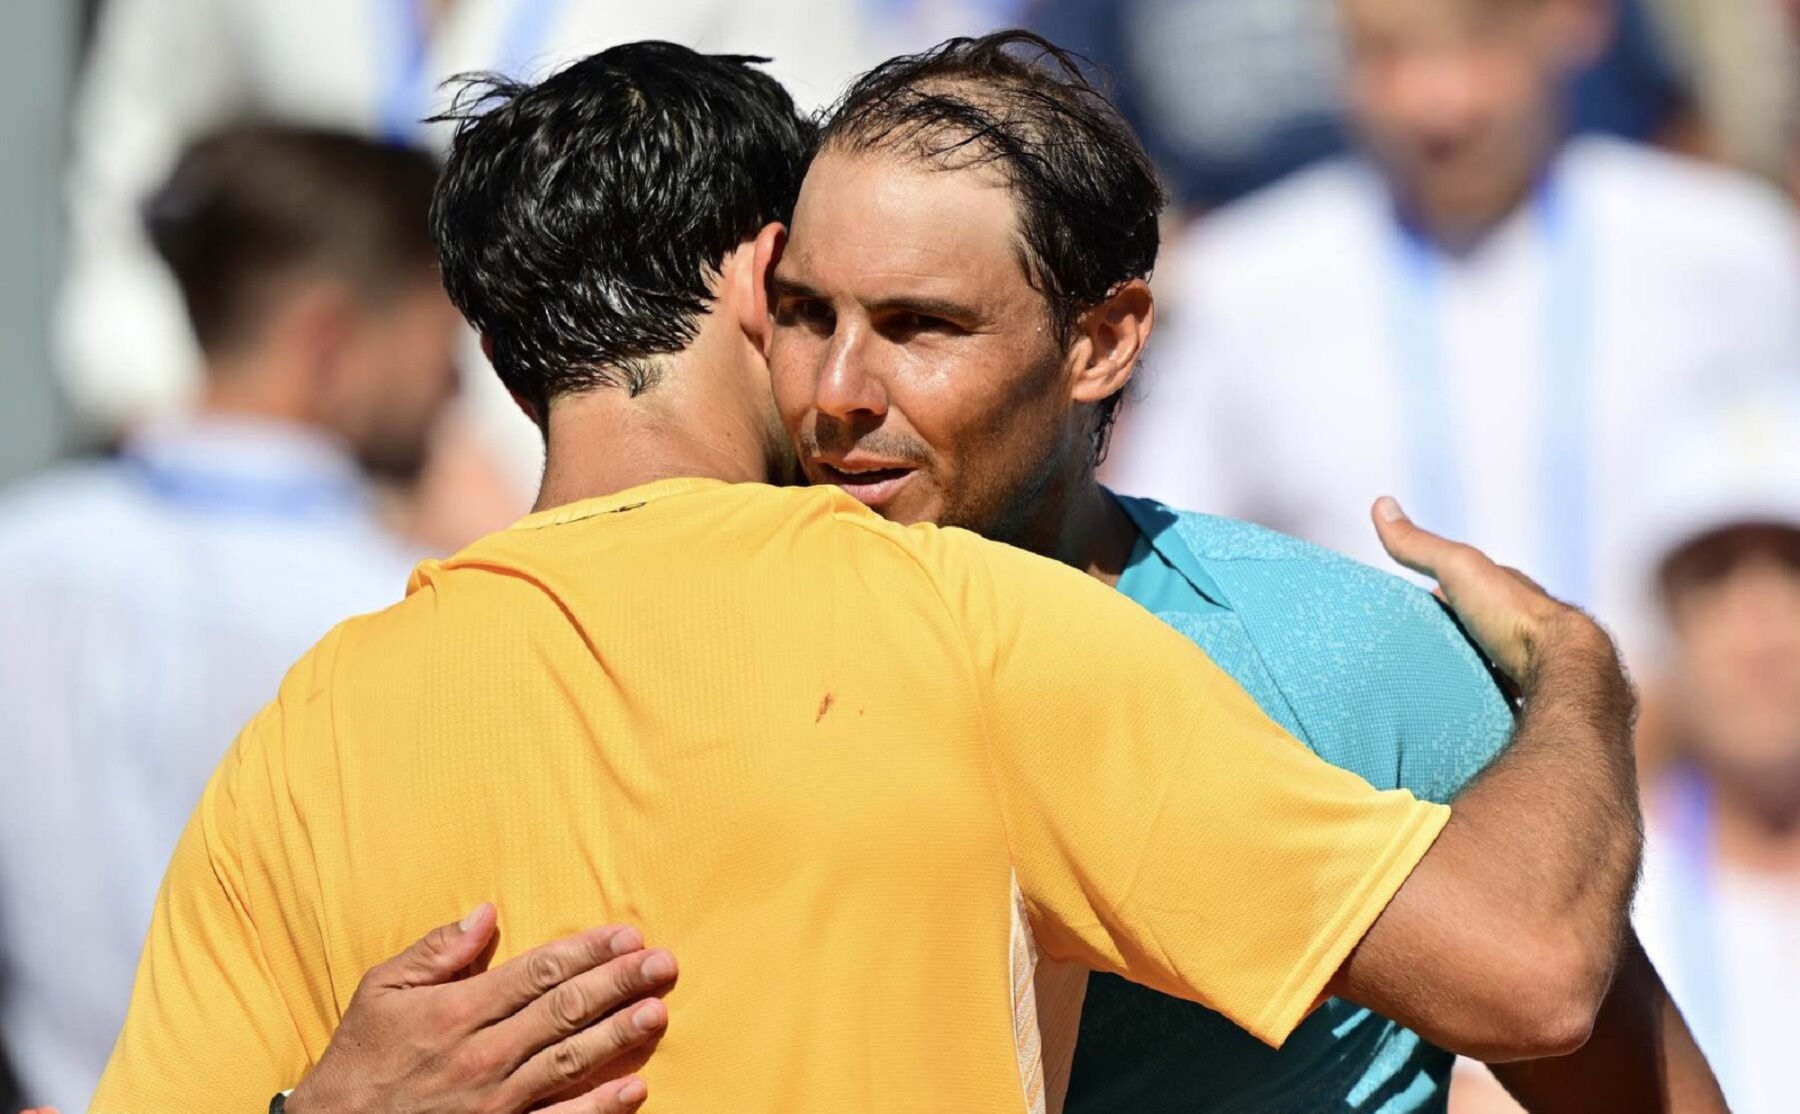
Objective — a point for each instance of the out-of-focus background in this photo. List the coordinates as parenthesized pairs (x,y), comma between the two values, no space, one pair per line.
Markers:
(1532,265)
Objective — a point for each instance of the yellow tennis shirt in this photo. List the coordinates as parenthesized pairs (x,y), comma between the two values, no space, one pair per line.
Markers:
(869,782)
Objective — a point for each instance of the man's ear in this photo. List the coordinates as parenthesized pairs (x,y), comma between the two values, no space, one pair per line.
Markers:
(1109,340)
(765,253)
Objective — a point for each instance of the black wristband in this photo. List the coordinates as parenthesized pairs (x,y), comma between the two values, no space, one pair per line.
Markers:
(278,1103)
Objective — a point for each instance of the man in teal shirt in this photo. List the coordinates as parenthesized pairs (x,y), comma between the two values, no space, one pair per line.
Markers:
(969,377)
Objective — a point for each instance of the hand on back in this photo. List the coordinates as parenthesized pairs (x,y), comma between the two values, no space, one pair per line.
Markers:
(551,1025)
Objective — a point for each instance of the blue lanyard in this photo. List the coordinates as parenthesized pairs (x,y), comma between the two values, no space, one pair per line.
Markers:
(244,496)
(405,36)
(1438,486)
(1696,945)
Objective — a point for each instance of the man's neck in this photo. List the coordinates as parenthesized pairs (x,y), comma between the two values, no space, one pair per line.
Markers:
(1459,233)
(1079,523)
(604,442)
(250,387)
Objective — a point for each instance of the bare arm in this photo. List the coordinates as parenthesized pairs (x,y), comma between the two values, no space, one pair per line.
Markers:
(1641,1057)
(1505,940)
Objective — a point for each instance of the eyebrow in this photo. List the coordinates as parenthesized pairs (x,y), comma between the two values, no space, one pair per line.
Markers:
(924,305)
(793,288)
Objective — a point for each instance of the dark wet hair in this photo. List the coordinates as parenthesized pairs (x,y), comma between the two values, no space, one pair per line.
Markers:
(581,221)
(1088,196)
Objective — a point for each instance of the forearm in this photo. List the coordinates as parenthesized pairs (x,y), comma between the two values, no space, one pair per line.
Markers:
(1505,939)
(1552,831)
(1641,1057)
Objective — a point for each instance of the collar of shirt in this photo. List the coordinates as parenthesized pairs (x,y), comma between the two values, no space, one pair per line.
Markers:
(628,500)
(1162,574)
(248,466)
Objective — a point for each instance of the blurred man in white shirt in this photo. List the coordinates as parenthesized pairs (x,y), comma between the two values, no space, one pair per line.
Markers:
(150,603)
(1478,315)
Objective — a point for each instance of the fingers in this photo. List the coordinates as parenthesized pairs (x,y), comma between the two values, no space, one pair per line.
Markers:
(573,1007)
(525,978)
(441,953)
(618,1097)
(587,1053)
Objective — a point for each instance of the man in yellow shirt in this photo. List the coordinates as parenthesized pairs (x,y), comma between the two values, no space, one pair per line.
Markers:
(765,723)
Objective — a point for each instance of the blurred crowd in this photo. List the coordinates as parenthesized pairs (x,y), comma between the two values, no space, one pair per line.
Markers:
(1532,266)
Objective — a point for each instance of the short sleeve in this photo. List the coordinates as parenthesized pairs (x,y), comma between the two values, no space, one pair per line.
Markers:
(208,1026)
(1162,826)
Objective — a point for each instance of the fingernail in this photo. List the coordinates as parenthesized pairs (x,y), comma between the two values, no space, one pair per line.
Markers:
(633,1090)
(659,966)
(647,1017)
(1389,509)
(474,915)
(625,941)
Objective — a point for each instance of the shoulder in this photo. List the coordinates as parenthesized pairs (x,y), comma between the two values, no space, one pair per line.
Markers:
(1276,581)
(1729,215)
(1381,678)
(64,510)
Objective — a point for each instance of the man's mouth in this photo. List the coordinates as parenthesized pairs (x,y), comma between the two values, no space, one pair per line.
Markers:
(872,487)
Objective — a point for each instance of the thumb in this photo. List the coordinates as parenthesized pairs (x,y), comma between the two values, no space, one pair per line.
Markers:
(1406,542)
(443,952)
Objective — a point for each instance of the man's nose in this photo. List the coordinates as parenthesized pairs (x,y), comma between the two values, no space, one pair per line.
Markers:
(1438,96)
(850,387)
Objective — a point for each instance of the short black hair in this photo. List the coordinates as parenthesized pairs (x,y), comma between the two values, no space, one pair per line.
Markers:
(252,204)
(581,221)
(1089,198)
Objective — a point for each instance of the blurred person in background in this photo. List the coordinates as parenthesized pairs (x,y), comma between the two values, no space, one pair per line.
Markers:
(1230,97)
(1720,904)
(898,26)
(1743,63)
(161,72)
(150,603)
(1480,315)
(1227,96)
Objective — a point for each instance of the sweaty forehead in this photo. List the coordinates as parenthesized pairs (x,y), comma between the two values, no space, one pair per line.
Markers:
(873,219)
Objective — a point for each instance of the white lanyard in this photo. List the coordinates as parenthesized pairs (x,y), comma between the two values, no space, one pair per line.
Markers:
(1438,487)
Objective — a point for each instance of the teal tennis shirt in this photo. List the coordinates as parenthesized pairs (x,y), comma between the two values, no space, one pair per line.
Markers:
(1373,675)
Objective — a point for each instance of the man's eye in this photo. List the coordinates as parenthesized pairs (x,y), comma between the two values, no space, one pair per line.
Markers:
(806,311)
(913,323)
